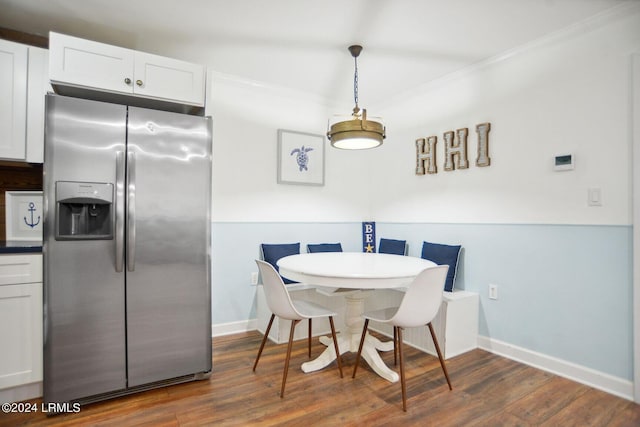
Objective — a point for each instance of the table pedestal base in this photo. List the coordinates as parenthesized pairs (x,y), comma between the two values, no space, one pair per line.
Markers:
(349,341)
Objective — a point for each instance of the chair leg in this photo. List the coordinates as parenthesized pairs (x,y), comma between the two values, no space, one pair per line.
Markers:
(309,339)
(286,361)
(264,340)
(435,342)
(335,345)
(402,382)
(395,346)
(364,333)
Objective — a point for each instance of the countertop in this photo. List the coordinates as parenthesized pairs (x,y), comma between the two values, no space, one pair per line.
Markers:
(20,246)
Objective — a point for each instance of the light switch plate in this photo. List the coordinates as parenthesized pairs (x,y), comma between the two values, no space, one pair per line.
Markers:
(594,197)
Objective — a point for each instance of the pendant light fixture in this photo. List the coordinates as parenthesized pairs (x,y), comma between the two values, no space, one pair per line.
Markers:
(357,132)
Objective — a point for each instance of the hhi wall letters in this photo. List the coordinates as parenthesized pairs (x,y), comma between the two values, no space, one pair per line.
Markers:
(455,150)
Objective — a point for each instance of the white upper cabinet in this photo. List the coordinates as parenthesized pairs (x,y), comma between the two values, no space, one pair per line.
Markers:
(23,85)
(37,87)
(97,66)
(166,78)
(80,62)
(13,99)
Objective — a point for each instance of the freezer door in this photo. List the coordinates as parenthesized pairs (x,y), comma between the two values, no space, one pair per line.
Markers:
(168,235)
(84,331)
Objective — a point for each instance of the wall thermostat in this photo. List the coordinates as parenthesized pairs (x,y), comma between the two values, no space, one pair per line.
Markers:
(563,162)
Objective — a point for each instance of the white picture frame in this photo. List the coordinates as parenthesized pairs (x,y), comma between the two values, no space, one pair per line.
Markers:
(23,215)
(300,158)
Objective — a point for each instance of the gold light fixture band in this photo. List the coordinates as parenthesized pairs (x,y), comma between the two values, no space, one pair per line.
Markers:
(356,134)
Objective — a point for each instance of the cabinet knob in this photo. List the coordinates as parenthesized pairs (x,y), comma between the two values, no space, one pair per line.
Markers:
(127,80)
(139,82)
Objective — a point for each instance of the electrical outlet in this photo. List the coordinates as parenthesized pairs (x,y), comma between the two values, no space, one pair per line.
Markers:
(493,291)
(254,278)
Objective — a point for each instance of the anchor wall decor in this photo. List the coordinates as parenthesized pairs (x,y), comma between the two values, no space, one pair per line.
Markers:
(32,209)
(23,215)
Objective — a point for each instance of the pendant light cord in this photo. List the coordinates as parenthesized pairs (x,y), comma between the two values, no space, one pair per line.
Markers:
(356,109)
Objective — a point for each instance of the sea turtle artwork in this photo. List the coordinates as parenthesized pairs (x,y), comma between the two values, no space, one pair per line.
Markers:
(302,158)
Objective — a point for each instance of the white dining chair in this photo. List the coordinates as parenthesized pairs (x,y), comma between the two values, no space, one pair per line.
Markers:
(281,305)
(418,307)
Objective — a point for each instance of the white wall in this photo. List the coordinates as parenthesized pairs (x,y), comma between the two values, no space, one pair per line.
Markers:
(247,116)
(568,93)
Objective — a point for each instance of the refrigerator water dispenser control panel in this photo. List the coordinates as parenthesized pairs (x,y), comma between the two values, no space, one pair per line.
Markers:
(84,210)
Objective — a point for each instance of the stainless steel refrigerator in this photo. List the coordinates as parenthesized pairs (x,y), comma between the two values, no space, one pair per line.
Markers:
(127,288)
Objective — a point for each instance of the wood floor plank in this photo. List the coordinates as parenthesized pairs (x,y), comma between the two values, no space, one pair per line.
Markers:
(488,390)
(592,408)
(546,400)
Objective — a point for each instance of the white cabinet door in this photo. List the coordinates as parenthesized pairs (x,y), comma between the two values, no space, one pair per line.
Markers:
(37,87)
(169,79)
(13,99)
(20,319)
(78,62)
(20,334)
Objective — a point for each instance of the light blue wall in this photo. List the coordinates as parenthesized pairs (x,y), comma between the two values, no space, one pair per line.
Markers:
(564,290)
(235,246)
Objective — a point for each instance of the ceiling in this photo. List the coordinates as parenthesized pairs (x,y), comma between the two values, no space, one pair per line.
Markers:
(302,44)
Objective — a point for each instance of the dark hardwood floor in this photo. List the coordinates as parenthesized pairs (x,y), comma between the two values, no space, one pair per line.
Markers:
(488,390)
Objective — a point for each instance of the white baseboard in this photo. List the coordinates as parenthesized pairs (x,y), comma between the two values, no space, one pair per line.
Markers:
(234,327)
(596,379)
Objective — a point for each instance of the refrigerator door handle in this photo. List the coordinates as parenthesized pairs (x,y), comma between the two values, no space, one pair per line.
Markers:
(131,212)
(119,202)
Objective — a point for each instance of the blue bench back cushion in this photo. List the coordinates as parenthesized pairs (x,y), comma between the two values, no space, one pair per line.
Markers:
(392,246)
(273,252)
(324,247)
(443,255)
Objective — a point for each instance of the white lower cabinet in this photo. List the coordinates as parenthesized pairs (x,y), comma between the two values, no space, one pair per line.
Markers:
(20,327)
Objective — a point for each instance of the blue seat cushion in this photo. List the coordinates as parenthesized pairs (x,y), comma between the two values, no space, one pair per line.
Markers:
(273,252)
(324,247)
(443,255)
(392,246)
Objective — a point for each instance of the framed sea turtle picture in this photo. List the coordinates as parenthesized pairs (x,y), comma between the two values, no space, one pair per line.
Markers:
(300,158)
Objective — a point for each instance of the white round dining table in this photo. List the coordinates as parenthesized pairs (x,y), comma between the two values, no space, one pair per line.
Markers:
(359,271)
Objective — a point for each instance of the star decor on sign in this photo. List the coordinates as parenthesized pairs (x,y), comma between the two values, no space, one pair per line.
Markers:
(369,248)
